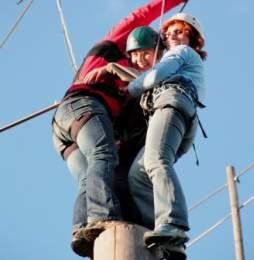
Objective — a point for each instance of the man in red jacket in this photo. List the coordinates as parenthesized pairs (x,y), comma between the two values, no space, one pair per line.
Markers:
(83,131)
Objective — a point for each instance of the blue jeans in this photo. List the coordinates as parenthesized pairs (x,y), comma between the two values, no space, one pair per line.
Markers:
(153,182)
(141,189)
(93,162)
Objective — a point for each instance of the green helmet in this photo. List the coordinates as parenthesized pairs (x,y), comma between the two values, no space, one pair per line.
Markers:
(142,38)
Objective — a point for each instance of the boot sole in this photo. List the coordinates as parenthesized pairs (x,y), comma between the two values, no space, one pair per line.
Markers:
(82,248)
(164,239)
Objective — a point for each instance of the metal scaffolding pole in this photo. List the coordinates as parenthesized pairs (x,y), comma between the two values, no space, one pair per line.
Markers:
(29,117)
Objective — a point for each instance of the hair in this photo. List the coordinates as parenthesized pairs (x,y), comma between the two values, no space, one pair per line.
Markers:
(196,41)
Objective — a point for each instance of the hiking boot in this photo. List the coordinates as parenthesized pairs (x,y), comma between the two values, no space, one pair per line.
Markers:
(80,245)
(166,233)
(174,252)
(93,229)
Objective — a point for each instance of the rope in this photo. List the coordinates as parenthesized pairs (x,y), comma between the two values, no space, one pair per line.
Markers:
(12,29)
(221,188)
(158,41)
(70,55)
(242,172)
(19,2)
(67,41)
(160,25)
(206,198)
(218,223)
(182,8)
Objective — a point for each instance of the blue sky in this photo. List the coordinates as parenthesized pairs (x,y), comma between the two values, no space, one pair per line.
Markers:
(36,189)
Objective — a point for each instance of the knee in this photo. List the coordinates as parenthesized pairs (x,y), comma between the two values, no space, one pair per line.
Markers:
(96,146)
(158,161)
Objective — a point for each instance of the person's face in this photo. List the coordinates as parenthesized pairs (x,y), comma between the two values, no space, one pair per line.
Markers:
(142,59)
(176,34)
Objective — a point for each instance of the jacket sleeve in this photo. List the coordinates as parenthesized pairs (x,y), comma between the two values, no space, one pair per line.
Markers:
(140,17)
(168,66)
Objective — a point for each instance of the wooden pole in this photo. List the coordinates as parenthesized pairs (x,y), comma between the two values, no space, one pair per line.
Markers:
(235,212)
(123,242)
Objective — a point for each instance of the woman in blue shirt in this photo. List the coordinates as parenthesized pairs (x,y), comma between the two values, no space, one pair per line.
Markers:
(177,87)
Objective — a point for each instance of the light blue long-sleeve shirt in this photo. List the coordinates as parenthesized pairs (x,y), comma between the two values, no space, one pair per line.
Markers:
(181,60)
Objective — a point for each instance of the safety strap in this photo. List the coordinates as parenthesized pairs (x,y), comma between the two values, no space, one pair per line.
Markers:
(77,124)
(196,155)
(202,128)
(204,135)
(68,150)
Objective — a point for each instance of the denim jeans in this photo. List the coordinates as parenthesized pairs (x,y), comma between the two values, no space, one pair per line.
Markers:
(92,164)
(153,182)
(141,190)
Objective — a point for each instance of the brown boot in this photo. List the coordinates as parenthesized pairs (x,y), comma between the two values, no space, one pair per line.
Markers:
(80,245)
(93,229)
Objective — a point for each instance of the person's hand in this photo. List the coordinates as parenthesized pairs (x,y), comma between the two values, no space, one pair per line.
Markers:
(95,75)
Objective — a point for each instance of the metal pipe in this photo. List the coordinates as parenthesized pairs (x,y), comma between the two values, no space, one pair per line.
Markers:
(26,118)
(15,24)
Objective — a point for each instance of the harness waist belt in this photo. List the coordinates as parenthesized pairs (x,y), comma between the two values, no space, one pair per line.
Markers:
(188,91)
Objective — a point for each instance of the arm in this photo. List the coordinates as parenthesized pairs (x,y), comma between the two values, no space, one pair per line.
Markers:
(140,17)
(112,47)
(170,63)
(126,74)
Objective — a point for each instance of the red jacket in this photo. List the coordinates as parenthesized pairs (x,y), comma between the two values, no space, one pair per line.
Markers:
(112,49)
